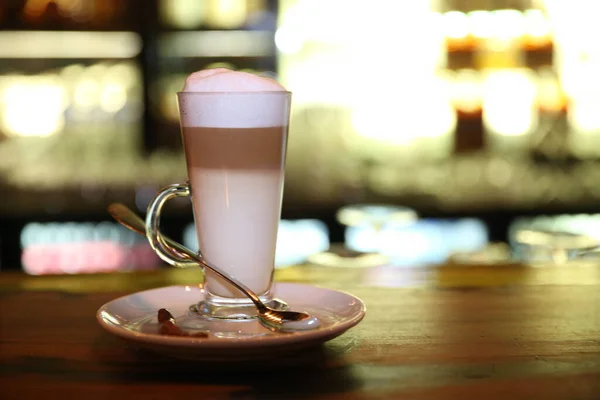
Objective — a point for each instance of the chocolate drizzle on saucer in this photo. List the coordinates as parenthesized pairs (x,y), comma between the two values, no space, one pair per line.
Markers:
(168,326)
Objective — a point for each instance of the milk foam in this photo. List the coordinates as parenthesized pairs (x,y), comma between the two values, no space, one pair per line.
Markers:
(221,98)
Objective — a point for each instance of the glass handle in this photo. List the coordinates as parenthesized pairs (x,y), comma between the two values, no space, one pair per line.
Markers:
(155,238)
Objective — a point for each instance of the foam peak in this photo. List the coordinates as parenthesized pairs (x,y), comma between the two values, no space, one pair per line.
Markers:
(225,80)
(222,98)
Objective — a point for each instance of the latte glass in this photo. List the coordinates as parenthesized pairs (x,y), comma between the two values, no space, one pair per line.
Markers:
(235,146)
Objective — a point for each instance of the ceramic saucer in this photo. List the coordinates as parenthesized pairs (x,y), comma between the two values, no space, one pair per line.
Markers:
(134,318)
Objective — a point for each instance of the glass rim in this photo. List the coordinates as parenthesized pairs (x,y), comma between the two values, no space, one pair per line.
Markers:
(262,92)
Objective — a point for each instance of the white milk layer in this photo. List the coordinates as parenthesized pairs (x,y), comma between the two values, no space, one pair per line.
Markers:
(236,220)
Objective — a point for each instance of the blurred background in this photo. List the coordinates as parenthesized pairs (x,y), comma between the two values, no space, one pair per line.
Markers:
(423,131)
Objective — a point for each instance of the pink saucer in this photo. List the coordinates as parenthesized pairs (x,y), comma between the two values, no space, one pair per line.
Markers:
(133,318)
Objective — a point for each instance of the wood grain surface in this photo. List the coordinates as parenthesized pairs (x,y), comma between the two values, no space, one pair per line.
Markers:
(503,332)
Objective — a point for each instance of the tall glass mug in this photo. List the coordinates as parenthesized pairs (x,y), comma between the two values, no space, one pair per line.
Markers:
(235,146)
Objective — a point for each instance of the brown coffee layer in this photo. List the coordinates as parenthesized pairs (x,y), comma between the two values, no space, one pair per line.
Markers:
(235,148)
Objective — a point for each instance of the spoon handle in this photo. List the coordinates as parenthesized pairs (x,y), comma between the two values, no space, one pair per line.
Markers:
(123,215)
(130,220)
(202,262)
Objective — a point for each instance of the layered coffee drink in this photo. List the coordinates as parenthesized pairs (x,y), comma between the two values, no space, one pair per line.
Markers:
(234,127)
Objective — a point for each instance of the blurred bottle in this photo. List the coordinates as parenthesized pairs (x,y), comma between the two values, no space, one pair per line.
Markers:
(459,41)
(466,89)
(537,42)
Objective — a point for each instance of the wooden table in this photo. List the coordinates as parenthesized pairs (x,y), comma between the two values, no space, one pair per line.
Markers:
(504,332)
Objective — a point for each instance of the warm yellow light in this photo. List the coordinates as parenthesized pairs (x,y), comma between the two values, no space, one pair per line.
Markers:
(577,55)
(508,24)
(227,13)
(185,14)
(96,71)
(456,24)
(289,40)
(86,96)
(536,24)
(466,90)
(113,98)
(387,97)
(584,115)
(509,99)
(290,36)
(71,72)
(123,74)
(403,115)
(33,107)
(69,44)
(481,23)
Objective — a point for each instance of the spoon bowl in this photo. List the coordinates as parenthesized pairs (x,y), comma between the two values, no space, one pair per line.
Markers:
(275,320)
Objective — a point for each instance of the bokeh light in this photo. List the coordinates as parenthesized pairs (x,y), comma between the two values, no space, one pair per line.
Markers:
(78,248)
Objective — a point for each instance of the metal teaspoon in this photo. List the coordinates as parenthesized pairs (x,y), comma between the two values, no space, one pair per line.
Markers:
(275,320)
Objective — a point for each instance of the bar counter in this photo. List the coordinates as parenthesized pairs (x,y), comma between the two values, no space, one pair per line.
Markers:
(445,332)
